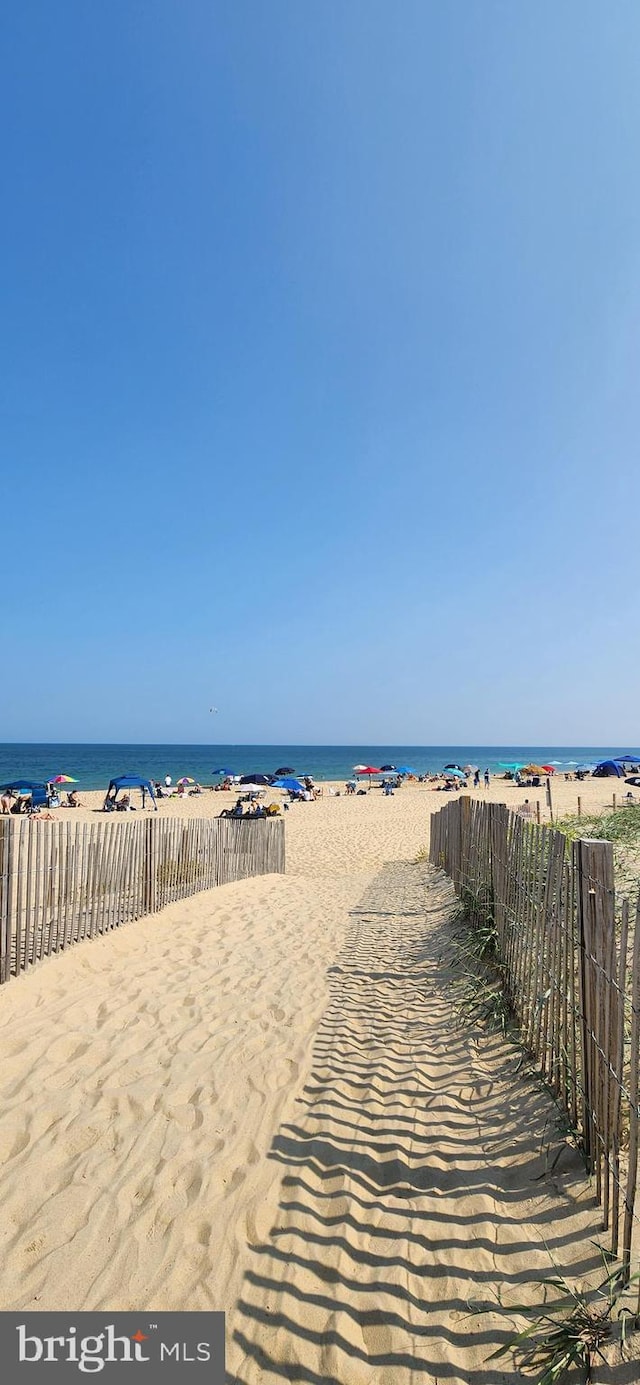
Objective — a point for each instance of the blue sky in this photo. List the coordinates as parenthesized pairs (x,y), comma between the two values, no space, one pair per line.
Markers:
(320,358)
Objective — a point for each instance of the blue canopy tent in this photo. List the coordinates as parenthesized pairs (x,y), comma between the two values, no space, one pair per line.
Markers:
(131,781)
(26,788)
(607,769)
(21,786)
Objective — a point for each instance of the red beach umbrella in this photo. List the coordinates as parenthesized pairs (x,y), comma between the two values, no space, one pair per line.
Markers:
(549,769)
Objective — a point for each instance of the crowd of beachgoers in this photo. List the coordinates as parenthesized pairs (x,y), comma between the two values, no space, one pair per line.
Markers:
(538,790)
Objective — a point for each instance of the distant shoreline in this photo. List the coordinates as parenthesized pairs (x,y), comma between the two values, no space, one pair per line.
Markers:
(93,764)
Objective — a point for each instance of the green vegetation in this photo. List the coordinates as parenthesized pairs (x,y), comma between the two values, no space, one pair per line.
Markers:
(622,828)
(572,1330)
(478,991)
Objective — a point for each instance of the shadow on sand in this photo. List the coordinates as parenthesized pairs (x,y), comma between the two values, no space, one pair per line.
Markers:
(415,1180)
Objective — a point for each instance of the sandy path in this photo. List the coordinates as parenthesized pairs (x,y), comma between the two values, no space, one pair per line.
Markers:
(413,1177)
(254,1101)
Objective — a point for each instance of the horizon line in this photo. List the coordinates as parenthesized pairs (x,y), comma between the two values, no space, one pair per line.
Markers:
(319,745)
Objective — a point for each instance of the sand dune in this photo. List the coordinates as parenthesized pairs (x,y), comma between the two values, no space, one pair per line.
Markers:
(256,1101)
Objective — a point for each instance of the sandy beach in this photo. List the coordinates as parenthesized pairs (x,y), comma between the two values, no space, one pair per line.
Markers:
(258,1101)
(596,795)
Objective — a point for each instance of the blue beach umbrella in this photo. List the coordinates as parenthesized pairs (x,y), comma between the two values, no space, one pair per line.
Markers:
(406,769)
(454,773)
(293,785)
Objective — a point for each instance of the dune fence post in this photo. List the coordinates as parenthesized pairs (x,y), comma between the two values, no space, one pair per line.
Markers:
(593,862)
(6,890)
(634,1084)
(498,824)
(465,841)
(150,902)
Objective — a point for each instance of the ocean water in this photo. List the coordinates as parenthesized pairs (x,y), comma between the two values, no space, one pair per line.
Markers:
(94,765)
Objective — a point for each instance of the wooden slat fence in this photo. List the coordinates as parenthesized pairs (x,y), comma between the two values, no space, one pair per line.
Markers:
(61,882)
(562,946)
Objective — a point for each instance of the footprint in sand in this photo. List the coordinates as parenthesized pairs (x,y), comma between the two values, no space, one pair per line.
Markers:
(189,1184)
(78,1141)
(282,1073)
(66,1049)
(260,1222)
(236,1180)
(377,1339)
(12,1142)
(34,1246)
(203,1233)
(187,1117)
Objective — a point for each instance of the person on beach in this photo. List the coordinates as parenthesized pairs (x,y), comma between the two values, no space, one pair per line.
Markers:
(167,780)
(476,779)
(486,779)
(6,802)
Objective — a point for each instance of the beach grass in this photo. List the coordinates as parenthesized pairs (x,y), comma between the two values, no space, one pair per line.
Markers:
(622,829)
